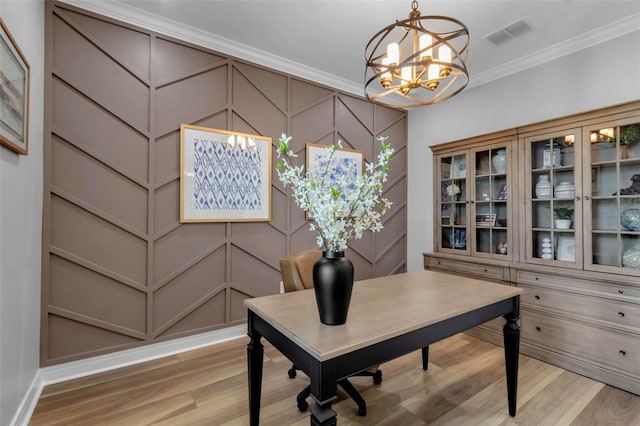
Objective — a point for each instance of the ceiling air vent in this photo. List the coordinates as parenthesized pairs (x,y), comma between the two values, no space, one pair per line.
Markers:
(509,32)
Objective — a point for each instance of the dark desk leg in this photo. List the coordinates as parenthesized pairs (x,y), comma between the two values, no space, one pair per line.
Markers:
(255,352)
(425,358)
(323,415)
(511,333)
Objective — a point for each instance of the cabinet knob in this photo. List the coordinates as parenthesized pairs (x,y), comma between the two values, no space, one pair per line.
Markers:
(438,262)
(485,270)
(621,291)
(620,314)
(623,353)
(537,279)
(538,328)
(578,198)
(537,297)
(586,197)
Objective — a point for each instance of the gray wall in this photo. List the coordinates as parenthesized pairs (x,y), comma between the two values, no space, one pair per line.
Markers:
(21,223)
(119,270)
(600,76)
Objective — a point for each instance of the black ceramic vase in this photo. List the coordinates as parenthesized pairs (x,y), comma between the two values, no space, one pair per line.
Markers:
(333,283)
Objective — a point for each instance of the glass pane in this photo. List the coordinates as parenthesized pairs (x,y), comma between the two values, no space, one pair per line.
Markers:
(483,241)
(500,241)
(447,238)
(483,188)
(630,251)
(603,146)
(629,138)
(483,164)
(605,249)
(563,212)
(541,214)
(630,178)
(603,180)
(459,167)
(445,168)
(604,214)
(565,247)
(554,152)
(542,245)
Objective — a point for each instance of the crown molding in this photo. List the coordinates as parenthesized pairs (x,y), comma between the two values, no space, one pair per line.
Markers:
(125,13)
(591,38)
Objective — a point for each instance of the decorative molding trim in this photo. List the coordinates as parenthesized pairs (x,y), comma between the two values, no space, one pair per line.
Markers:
(594,37)
(128,14)
(98,364)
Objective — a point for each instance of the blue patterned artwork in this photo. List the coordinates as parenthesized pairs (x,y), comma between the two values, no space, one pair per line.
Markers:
(344,170)
(225,176)
(349,167)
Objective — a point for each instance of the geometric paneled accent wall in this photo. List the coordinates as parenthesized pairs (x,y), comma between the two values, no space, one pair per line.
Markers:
(119,270)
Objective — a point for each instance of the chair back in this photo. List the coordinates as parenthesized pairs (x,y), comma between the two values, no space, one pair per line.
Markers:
(297,270)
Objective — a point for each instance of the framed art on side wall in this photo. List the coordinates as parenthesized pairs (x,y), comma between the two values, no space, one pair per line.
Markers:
(14,94)
(224,176)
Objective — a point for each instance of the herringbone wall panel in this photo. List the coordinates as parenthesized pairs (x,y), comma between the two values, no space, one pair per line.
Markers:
(119,270)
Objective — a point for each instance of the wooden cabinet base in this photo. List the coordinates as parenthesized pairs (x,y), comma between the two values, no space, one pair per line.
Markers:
(588,327)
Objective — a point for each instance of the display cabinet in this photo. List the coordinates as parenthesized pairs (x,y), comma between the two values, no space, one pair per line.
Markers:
(474,214)
(553,213)
(572,234)
(612,196)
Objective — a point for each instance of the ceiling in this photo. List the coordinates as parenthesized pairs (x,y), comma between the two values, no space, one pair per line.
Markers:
(324,40)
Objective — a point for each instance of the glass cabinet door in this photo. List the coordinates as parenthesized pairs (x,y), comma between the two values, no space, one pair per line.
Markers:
(453,202)
(612,197)
(490,201)
(554,205)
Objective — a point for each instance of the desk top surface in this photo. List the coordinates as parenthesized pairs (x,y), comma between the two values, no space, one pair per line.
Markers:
(381,308)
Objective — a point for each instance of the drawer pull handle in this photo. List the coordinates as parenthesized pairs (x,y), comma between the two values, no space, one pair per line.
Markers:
(537,297)
(621,291)
(537,279)
(620,314)
(538,328)
(486,270)
(623,353)
(438,262)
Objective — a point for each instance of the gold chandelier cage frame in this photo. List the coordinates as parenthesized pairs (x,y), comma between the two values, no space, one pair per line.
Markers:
(390,83)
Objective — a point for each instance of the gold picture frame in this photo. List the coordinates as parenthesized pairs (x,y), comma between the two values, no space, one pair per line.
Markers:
(225,176)
(14,94)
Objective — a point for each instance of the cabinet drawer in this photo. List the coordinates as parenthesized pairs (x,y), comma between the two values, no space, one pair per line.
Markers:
(578,285)
(467,268)
(622,313)
(615,349)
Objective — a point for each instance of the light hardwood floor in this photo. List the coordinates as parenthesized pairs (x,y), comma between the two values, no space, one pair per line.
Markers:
(465,385)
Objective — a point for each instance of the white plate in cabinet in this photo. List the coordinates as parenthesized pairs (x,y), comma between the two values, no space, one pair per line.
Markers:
(578,285)
(590,308)
(468,268)
(617,350)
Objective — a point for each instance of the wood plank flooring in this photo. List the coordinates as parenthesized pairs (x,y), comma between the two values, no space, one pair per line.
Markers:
(465,385)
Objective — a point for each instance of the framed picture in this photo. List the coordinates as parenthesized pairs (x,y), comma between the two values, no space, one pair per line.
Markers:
(14,94)
(224,176)
(566,248)
(486,219)
(345,162)
(502,194)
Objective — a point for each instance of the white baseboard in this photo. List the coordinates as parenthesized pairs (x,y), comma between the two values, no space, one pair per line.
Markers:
(98,364)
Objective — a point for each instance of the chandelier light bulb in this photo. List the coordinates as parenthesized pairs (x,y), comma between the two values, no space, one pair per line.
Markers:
(426,40)
(393,53)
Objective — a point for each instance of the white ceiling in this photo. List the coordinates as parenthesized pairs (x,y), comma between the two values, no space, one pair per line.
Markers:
(324,40)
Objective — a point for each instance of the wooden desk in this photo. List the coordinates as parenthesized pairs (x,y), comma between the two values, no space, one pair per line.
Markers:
(389,317)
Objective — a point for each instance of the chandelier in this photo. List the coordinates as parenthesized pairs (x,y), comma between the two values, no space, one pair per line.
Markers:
(409,65)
